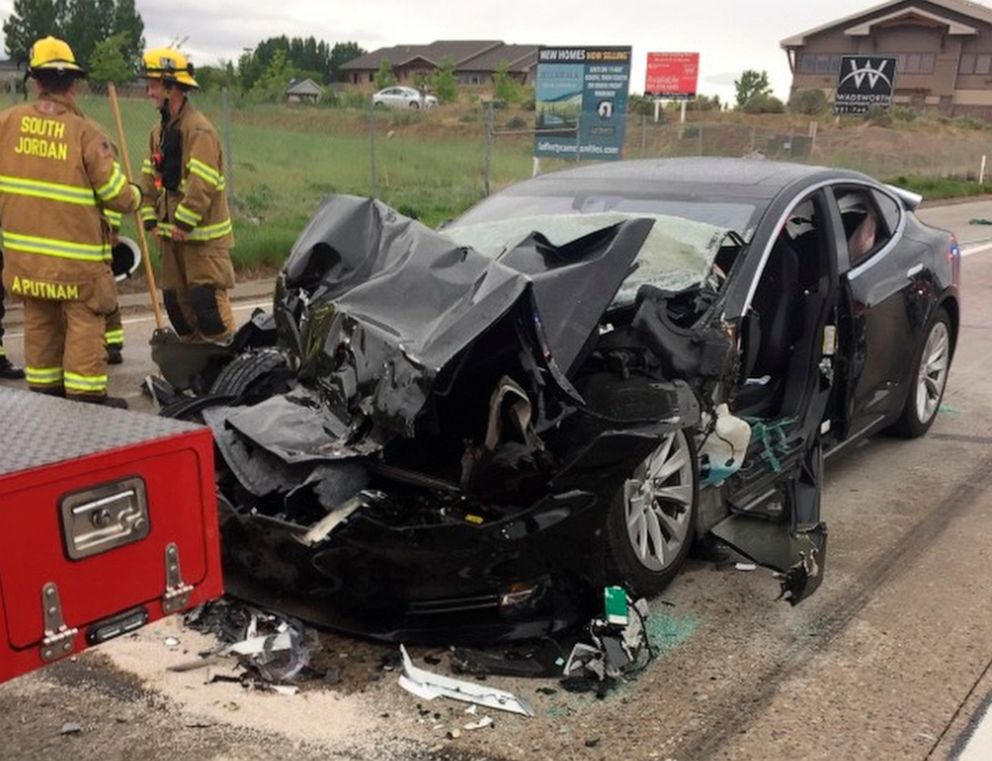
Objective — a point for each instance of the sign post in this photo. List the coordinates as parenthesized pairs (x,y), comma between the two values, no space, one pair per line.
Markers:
(864,82)
(581,102)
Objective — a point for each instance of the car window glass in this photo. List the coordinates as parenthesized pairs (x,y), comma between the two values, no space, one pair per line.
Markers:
(889,209)
(865,229)
(734,214)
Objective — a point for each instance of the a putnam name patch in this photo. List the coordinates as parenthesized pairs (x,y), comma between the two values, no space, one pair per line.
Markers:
(41,289)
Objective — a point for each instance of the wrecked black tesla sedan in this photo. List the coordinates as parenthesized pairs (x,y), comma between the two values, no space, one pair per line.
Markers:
(471,431)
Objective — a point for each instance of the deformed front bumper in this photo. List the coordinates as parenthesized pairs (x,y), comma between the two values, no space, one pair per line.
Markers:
(525,576)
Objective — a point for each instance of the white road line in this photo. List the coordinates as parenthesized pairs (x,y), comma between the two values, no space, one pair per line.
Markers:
(151,317)
(979,248)
(979,745)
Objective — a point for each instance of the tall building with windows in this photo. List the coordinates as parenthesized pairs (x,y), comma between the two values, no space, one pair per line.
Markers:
(943,52)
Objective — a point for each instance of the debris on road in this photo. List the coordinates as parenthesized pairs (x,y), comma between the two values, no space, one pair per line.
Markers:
(427,685)
(70,728)
(274,648)
(619,648)
(485,721)
(544,658)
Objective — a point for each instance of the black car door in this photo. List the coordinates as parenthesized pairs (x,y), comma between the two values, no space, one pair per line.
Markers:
(877,271)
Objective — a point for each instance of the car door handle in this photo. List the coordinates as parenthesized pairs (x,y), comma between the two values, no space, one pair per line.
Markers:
(915,270)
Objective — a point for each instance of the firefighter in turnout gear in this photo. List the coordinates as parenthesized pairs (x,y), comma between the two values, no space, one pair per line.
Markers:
(185,203)
(57,175)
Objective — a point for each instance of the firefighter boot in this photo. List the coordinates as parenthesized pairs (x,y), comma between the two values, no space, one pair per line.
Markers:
(8,370)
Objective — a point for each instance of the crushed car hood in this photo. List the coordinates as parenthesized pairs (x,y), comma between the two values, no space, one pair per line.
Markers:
(382,304)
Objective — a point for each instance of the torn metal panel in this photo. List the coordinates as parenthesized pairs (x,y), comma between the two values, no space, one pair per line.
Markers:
(297,428)
(188,365)
(796,556)
(428,686)
(322,528)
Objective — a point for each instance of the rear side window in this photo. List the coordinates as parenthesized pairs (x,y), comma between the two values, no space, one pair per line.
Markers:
(889,209)
(867,228)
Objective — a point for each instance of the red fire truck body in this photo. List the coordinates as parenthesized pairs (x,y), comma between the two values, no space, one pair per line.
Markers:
(109,522)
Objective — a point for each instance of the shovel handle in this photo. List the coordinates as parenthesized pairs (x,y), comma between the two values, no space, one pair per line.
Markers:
(142,241)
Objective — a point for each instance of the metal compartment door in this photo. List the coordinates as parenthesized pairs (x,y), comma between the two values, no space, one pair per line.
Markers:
(54,519)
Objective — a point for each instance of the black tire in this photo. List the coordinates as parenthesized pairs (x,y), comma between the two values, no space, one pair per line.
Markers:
(414,105)
(623,565)
(243,375)
(912,423)
(191,410)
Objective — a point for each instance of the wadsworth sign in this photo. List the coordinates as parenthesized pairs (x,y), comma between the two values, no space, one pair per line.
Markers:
(864,82)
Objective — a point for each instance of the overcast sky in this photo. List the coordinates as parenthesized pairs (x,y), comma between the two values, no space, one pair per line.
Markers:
(730,35)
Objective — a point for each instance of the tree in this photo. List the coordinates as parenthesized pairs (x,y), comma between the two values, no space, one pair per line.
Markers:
(341,53)
(750,84)
(29,21)
(271,86)
(214,77)
(81,23)
(110,63)
(305,54)
(505,87)
(384,77)
(443,81)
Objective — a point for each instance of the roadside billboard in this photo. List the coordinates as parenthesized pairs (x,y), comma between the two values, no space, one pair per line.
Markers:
(672,75)
(864,82)
(580,101)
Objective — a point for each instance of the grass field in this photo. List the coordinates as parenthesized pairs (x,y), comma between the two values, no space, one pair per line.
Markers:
(429,165)
(286,160)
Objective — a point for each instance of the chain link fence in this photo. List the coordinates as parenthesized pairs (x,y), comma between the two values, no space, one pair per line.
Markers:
(282,160)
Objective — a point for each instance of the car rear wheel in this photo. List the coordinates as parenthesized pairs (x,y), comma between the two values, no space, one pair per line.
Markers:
(929,379)
(649,527)
(414,105)
(255,374)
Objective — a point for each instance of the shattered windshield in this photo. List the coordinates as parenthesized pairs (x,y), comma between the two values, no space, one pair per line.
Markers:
(677,254)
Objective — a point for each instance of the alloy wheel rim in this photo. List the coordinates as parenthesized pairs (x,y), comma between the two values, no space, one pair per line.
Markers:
(657,503)
(933,372)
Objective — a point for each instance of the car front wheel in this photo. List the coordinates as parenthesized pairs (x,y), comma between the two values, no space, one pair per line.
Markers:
(649,527)
(414,105)
(928,379)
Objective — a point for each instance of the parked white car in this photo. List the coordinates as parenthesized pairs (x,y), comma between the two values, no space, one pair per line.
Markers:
(402,97)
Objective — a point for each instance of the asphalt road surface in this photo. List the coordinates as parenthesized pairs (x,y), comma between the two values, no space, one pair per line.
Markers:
(890,659)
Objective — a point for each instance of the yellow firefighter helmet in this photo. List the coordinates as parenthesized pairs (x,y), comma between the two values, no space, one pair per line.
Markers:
(168,64)
(54,55)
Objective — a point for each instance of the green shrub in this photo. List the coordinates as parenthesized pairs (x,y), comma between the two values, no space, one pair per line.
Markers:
(809,102)
(764,104)
(879,116)
(354,98)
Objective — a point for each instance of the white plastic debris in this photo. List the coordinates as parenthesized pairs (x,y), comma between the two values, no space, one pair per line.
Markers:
(171,642)
(746,566)
(485,721)
(427,686)
(263,644)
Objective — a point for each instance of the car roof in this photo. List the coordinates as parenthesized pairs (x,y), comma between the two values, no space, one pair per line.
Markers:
(750,178)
